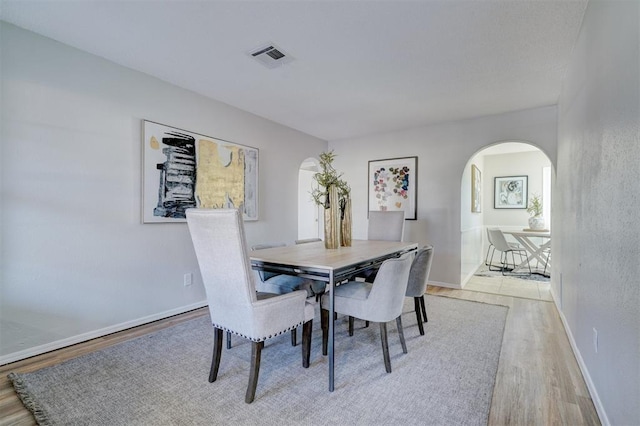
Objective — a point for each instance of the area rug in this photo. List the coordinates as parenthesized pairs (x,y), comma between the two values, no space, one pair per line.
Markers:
(447,377)
(537,276)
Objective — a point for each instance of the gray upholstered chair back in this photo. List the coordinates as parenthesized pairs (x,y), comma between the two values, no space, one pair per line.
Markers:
(308,240)
(386,225)
(267,246)
(419,273)
(221,248)
(386,298)
(263,275)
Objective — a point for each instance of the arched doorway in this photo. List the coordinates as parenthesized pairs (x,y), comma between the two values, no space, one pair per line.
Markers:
(308,211)
(491,164)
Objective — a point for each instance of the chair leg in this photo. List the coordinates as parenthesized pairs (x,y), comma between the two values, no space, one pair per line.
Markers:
(416,304)
(385,346)
(294,337)
(486,258)
(228,340)
(324,322)
(256,351)
(424,309)
(491,262)
(350,325)
(217,353)
(401,334)
(306,343)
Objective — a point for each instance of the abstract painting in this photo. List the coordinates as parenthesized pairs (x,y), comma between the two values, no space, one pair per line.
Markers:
(510,192)
(393,185)
(183,170)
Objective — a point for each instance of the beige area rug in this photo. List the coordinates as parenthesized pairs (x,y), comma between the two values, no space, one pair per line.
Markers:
(447,377)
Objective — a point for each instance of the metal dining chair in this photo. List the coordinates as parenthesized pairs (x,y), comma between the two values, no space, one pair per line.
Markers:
(500,243)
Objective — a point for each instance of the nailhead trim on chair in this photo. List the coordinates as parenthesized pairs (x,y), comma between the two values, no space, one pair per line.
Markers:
(258,339)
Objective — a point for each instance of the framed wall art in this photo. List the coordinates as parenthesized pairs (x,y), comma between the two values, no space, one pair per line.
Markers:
(476,189)
(393,185)
(510,192)
(183,169)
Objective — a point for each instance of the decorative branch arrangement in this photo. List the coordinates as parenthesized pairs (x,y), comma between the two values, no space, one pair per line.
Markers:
(334,194)
(327,178)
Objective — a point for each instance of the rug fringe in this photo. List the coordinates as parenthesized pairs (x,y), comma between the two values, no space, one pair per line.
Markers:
(31,405)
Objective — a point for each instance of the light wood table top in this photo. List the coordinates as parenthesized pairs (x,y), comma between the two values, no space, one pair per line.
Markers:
(315,255)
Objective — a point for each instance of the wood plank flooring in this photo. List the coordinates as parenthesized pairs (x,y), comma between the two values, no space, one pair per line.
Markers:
(538,380)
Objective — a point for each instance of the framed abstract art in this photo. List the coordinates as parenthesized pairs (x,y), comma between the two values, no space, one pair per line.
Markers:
(182,169)
(393,185)
(510,192)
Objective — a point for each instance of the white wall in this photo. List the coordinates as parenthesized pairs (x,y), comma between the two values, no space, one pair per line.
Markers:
(76,262)
(596,205)
(443,151)
(529,164)
(471,227)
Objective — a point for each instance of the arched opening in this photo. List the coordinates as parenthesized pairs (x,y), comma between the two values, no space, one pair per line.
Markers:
(308,211)
(484,206)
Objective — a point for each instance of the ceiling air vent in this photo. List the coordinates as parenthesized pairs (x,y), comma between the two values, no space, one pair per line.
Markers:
(271,56)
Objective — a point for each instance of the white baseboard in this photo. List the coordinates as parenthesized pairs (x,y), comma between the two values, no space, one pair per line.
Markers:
(604,420)
(447,285)
(38,350)
(469,275)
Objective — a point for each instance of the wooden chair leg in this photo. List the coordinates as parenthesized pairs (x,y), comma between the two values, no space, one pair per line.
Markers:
(256,351)
(416,304)
(401,334)
(350,325)
(294,337)
(306,343)
(217,353)
(324,322)
(385,346)
(424,309)
(228,340)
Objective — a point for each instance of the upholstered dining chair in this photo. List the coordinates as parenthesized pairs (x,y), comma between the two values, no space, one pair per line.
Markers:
(234,305)
(386,225)
(308,240)
(317,287)
(380,301)
(500,243)
(274,283)
(417,286)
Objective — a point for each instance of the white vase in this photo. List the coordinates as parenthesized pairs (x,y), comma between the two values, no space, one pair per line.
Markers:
(536,222)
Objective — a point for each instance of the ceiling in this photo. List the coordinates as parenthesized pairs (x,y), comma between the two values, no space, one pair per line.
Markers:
(358,68)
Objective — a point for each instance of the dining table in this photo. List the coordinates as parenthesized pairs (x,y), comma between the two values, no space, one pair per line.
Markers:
(333,266)
(537,243)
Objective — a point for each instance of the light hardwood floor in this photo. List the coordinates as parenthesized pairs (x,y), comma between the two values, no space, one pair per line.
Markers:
(538,380)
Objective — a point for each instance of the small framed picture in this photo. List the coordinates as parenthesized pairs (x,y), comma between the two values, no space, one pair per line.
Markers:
(510,192)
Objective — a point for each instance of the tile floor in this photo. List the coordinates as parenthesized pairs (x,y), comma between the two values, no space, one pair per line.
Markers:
(510,286)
